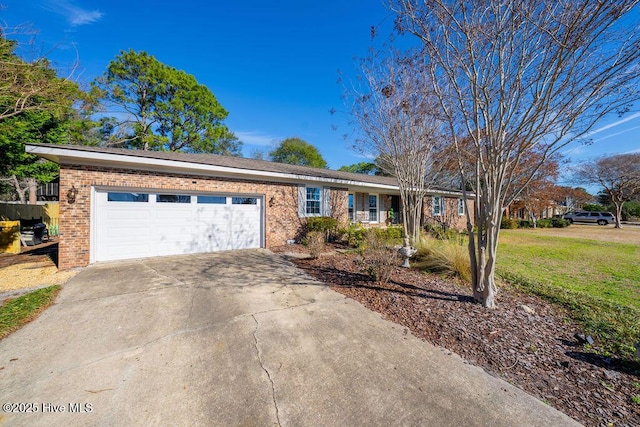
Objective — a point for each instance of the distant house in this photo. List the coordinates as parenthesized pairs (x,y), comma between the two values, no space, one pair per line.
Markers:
(122,204)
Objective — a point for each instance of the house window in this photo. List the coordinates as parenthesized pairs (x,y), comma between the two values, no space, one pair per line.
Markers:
(127,197)
(244,200)
(313,201)
(351,208)
(438,205)
(172,198)
(215,200)
(460,206)
(373,208)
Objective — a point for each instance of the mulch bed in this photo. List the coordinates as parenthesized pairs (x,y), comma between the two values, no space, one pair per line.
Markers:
(537,351)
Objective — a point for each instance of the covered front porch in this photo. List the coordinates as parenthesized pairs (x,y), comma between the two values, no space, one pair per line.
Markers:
(374,209)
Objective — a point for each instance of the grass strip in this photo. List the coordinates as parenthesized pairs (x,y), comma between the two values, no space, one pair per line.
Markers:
(16,312)
(615,326)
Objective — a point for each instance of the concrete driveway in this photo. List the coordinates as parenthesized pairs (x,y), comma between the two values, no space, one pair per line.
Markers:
(237,339)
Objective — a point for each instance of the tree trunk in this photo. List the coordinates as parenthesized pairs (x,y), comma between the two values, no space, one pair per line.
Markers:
(19,190)
(483,258)
(32,184)
(485,291)
(618,213)
(412,206)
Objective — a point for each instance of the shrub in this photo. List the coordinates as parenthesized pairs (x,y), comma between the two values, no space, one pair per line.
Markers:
(379,259)
(323,224)
(441,232)
(525,223)
(391,235)
(508,223)
(594,208)
(543,223)
(314,241)
(630,211)
(559,223)
(353,235)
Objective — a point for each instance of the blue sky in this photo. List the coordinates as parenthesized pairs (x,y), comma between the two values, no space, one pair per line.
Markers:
(273,65)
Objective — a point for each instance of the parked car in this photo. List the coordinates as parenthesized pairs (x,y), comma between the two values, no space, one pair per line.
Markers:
(600,218)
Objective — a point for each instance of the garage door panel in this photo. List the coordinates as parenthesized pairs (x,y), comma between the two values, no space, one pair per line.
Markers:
(175,215)
(126,234)
(116,251)
(133,229)
(128,215)
(212,237)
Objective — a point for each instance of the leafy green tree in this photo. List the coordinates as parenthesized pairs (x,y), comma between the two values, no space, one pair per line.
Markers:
(631,211)
(36,106)
(593,207)
(369,168)
(23,171)
(366,168)
(31,86)
(296,151)
(161,108)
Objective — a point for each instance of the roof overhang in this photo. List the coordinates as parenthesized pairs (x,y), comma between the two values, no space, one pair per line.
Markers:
(61,155)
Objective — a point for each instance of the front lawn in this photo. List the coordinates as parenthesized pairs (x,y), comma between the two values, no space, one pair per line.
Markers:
(597,281)
(606,270)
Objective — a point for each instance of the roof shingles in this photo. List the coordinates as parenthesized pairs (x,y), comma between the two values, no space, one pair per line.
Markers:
(233,162)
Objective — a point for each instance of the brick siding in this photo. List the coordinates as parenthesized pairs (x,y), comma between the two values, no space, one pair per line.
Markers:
(280,203)
(450,218)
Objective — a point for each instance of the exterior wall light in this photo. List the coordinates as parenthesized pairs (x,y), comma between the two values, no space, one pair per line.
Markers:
(71,194)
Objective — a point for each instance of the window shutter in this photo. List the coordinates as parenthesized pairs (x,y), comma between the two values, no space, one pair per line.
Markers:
(302,201)
(326,201)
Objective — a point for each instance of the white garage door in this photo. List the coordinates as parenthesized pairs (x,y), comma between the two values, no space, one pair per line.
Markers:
(144,224)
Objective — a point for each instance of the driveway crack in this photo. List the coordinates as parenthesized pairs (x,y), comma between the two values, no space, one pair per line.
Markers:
(157,273)
(273,389)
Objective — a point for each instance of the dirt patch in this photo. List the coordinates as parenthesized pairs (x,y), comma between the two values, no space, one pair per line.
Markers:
(532,347)
(32,269)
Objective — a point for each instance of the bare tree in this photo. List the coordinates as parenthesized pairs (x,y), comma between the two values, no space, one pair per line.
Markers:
(573,198)
(619,175)
(516,76)
(393,109)
(540,192)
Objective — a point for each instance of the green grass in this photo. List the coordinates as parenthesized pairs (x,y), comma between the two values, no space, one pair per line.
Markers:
(16,312)
(606,270)
(598,282)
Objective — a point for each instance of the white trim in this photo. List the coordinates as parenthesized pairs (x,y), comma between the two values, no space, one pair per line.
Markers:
(440,205)
(352,215)
(91,158)
(320,200)
(325,201)
(92,225)
(377,208)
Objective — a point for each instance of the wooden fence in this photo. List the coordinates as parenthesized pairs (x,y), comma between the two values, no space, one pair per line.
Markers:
(49,211)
